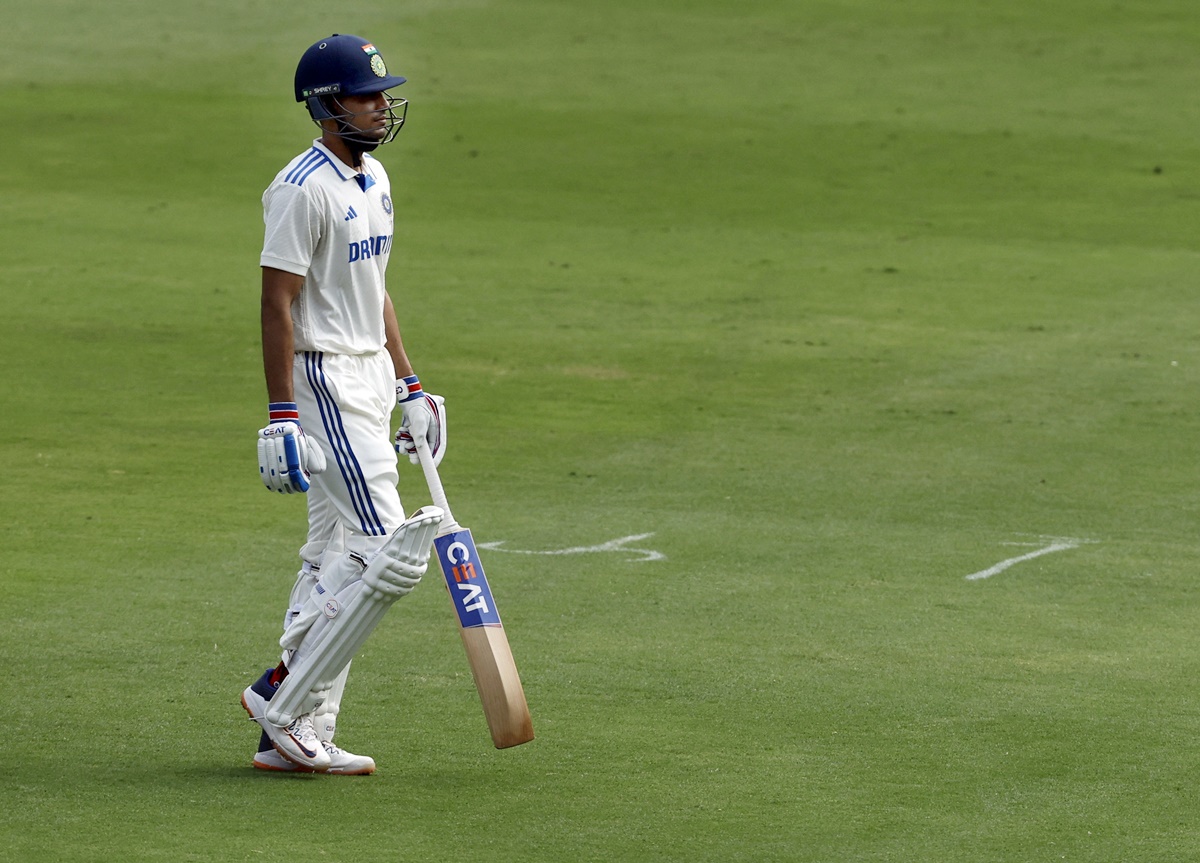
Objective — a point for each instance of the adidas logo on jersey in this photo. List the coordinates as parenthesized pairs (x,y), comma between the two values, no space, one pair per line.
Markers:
(350,214)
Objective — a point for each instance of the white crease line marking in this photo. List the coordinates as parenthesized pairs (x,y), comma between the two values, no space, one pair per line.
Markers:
(611,545)
(1057,543)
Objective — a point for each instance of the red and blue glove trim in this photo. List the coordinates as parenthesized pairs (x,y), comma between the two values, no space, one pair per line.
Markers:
(408,389)
(283,412)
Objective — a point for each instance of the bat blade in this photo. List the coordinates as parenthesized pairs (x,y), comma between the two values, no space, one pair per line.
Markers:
(483,637)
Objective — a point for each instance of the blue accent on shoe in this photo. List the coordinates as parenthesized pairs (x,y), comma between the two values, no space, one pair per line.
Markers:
(263,685)
(264,743)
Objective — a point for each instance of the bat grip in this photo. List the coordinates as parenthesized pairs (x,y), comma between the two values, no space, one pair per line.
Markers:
(433,480)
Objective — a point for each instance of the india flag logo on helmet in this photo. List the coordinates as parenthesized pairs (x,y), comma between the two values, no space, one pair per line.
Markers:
(377,64)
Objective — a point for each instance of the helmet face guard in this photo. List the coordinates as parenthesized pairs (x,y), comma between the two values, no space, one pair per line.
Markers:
(322,108)
(343,65)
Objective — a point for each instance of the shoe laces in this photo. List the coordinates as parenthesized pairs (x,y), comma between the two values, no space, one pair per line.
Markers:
(302,727)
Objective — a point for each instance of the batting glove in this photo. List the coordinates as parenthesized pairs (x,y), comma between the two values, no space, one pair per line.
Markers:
(423,416)
(286,457)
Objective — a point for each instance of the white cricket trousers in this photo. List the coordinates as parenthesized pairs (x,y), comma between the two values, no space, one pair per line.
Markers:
(345,404)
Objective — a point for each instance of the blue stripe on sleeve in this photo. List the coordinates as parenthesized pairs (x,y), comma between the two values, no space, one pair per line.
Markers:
(313,160)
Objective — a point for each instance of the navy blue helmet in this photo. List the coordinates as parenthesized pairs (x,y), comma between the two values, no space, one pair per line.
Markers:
(343,65)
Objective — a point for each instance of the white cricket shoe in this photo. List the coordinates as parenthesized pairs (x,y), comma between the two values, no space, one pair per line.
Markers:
(297,742)
(345,763)
(341,762)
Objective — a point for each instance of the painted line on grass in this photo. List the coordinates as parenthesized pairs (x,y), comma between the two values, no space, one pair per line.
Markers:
(617,545)
(1055,544)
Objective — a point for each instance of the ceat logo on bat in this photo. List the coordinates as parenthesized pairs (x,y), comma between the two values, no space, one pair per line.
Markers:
(465,579)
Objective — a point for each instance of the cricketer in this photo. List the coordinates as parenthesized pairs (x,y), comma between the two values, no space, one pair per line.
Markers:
(335,368)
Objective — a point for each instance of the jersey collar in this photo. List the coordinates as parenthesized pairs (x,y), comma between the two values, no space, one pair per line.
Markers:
(344,170)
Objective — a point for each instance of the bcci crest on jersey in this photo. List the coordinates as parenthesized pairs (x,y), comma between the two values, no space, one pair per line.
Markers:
(464,577)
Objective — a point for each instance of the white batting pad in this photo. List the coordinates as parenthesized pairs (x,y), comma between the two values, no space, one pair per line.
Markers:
(350,615)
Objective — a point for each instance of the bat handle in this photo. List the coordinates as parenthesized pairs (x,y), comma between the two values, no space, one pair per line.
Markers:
(434,481)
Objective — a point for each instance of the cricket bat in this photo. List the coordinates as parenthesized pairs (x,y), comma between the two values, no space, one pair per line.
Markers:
(488,653)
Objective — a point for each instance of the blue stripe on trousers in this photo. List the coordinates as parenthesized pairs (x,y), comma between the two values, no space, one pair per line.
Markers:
(351,470)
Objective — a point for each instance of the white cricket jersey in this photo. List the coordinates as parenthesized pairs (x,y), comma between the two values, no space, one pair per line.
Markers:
(334,227)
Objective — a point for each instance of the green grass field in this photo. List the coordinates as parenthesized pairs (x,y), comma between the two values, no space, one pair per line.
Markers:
(840,301)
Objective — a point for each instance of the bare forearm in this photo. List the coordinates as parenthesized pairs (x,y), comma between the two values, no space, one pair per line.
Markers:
(277,356)
(278,345)
(394,343)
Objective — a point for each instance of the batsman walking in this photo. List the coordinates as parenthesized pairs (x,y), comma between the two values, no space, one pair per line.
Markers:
(335,368)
